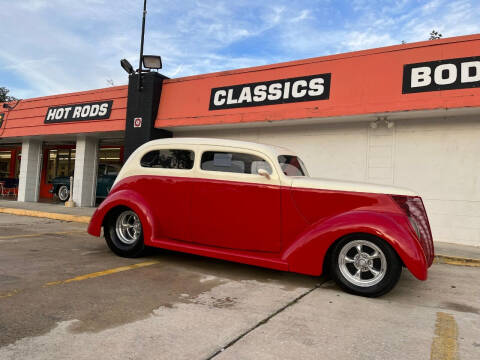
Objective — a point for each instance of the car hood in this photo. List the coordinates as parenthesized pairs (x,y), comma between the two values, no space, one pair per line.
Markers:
(350,186)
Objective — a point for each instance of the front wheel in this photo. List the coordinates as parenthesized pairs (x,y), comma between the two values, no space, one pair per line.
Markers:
(63,193)
(365,265)
(124,233)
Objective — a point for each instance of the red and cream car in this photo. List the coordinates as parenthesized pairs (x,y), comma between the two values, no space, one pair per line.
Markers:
(256,204)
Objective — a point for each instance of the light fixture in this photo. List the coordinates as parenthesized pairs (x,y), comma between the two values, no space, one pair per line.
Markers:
(152,62)
(127,66)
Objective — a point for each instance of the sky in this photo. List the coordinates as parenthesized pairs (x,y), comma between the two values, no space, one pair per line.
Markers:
(57,46)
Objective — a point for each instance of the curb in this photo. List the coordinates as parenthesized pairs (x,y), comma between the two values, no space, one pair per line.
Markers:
(47,215)
(455,260)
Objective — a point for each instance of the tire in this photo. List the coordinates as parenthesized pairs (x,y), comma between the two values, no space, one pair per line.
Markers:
(63,193)
(365,265)
(124,234)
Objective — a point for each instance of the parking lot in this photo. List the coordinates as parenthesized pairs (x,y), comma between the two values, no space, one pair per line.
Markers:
(63,294)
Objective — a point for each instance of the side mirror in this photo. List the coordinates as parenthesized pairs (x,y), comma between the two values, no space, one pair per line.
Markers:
(263,172)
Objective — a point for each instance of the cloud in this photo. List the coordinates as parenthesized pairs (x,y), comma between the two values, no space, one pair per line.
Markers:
(54,46)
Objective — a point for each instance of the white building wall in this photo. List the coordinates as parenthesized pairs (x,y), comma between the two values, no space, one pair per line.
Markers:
(438,158)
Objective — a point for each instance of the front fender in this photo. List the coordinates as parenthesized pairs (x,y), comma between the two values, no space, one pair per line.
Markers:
(307,253)
(124,198)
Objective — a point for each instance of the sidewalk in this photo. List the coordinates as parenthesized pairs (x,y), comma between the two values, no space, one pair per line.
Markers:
(46,210)
(445,253)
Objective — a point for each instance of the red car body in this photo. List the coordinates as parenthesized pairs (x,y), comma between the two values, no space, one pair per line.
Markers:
(284,225)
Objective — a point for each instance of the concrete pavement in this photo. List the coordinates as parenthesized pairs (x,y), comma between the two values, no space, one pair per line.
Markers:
(187,307)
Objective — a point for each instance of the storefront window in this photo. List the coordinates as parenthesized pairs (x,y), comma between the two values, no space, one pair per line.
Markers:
(5,158)
(61,162)
(109,155)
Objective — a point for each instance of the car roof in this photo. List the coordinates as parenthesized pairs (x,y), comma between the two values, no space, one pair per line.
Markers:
(264,148)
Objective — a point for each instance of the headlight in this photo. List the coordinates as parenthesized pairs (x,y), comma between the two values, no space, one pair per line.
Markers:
(414,226)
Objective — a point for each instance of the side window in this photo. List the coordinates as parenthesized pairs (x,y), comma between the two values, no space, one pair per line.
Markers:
(168,159)
(233,162)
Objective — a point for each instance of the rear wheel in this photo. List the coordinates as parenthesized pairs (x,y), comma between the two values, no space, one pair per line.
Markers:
(124,233)
(365,265)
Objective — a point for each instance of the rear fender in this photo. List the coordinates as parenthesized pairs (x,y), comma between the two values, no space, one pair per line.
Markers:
(124,198)
(307,253)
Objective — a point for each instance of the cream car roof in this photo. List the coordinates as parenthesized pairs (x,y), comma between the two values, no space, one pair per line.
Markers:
(271,150)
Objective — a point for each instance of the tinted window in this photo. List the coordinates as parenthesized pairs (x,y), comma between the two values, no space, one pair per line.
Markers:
(168,159)
(292,165)
(233,162)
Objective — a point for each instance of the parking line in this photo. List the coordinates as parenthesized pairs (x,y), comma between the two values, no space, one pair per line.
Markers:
(444,345)
(9,237)
(11,293)
(103,273)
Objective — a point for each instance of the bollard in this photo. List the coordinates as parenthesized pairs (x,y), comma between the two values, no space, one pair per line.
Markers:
(69,202)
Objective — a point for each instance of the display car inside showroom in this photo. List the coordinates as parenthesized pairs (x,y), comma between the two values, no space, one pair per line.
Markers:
(404,115)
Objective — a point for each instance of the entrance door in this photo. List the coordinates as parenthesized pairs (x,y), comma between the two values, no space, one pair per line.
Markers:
(59,164)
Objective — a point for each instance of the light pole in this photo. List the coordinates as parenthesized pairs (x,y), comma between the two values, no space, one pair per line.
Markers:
(141,46)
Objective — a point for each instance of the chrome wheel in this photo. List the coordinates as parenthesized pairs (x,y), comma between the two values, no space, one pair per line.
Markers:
(362,263)
(128,227)
(63,193)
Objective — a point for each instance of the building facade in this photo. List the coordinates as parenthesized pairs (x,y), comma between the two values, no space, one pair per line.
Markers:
(405,115)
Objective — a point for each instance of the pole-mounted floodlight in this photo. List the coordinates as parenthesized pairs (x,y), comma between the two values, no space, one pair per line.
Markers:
(146,61)
(127,66)
(152,62)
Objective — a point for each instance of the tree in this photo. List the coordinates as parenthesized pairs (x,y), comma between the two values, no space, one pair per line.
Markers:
(435,35)
(4,97)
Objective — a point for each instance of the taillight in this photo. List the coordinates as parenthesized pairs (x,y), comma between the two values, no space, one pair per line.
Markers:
(417,216)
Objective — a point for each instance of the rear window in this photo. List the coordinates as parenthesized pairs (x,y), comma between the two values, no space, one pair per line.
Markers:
(233,162)
(168,159)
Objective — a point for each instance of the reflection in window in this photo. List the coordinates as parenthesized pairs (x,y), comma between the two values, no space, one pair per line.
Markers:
(233,162)
(168,159)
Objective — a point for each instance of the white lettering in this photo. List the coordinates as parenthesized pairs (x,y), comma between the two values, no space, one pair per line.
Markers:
(316,87)
(275,91)
(67,111)
(217,101)
(296,93)
(94,110)
(260,93)
(465,71)
(451,71)
(59,113)
(103,109)
(230,100)
(421,76)
(286,90)
(245,95)
(85,110)
(51,114)
(76,112)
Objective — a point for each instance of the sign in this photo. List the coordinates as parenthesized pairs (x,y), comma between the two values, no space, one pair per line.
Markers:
(2,116)
(283,91)
(79,112)
(137,122)
(459,73)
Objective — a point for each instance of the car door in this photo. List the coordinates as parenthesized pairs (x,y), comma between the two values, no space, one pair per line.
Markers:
(166,186)
(232,205)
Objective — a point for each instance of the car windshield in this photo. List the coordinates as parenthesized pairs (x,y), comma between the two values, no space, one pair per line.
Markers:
(292,165)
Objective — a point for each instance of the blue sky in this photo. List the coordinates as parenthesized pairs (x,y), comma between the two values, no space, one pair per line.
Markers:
(55,46)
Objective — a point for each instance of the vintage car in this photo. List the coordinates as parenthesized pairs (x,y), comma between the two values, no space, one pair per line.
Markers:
(256,204)
(105,179)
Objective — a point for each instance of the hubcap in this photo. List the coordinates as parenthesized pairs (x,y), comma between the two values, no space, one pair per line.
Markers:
(128,227)
(362,263)
(63,193)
